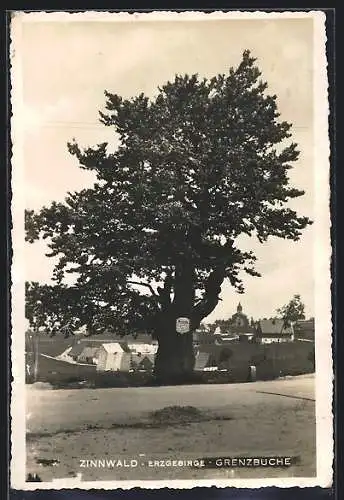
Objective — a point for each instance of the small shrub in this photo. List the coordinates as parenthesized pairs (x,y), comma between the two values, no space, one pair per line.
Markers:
(177,414)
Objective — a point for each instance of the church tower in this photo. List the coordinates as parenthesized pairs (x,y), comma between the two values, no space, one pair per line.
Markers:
(239,322)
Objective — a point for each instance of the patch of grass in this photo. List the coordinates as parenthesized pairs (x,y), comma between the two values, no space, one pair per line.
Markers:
(178,415)
(143,424)
(171,416)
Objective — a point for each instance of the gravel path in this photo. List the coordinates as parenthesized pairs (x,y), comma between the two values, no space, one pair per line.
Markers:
(262,418)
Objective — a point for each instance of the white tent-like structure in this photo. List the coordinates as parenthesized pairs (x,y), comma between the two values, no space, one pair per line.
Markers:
(113,356)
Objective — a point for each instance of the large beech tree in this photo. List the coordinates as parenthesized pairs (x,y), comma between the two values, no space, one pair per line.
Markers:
(198,165)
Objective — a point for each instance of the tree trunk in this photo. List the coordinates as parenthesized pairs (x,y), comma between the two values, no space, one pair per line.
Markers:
(175,359)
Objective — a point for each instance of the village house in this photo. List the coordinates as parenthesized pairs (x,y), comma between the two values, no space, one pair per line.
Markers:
(113,356)
(76,350)
(141,361)
(146,363)
(89,355)
(140,338)
(268,331)
(305,329)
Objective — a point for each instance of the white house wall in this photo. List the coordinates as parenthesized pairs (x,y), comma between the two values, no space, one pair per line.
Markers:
(125,362)
(267,340)
(101,365)
(113,361)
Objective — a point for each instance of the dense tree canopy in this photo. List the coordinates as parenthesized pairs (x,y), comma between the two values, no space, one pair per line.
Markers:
(199,164)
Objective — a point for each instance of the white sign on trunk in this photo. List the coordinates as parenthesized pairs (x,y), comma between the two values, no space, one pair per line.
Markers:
(182,325)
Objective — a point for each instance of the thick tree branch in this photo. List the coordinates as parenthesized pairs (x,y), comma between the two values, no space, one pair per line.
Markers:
(165,291)
(147,285)
(211,295)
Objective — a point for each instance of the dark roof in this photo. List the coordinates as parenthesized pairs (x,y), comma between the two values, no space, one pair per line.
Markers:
(87,352)
(125,346)
(273,327)
(76,349)
(305,325)
(147,360)
(305,329)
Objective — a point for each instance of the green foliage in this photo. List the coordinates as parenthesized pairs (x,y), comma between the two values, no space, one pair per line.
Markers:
(44,304)
(293,311)
(198,165)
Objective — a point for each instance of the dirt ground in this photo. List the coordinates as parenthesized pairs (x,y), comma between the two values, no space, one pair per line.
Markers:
(238,420)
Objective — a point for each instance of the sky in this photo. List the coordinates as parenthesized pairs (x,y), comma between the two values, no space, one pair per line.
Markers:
(66,66)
